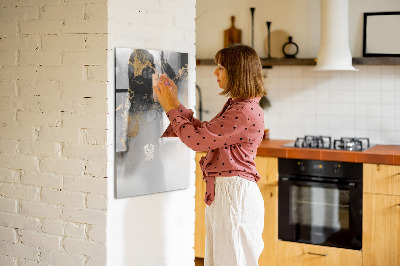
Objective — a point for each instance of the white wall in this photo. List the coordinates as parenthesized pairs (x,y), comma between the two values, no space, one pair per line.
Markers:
(299,18)
(53,107)
(338,104)
(153,229)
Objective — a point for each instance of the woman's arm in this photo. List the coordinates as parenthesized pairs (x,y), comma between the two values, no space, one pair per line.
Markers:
(166,85)
(228,129)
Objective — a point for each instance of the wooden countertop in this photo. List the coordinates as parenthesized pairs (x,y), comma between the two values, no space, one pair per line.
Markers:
(379,154)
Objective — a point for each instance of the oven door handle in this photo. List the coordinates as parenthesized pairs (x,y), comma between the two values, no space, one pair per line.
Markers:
(297,181)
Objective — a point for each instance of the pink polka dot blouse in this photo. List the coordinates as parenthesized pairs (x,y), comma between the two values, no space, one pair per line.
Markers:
(231,139)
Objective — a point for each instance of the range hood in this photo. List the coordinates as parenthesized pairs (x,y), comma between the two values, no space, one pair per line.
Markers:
(334,51)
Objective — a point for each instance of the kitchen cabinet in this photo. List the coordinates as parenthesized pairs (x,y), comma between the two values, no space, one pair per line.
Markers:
(381,215)
(381,230)
(270,233)
(381,221)
(200,207)
(267,167)
(381,179)
(290,253)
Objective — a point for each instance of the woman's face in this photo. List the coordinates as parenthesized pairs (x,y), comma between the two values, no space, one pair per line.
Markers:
(222,76)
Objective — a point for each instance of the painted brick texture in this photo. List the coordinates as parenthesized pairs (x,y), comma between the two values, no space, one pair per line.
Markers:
(53,110)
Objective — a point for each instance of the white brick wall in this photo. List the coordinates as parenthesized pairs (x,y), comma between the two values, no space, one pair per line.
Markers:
(54,194)
(53,106)
(8,234)
(61,258)
(8,204)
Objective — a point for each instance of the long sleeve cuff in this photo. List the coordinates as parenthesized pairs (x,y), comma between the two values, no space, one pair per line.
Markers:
(185,112)
(172,114)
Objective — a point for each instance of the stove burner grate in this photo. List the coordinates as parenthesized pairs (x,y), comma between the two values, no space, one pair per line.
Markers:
(324,142)
(351,144)
(321,142)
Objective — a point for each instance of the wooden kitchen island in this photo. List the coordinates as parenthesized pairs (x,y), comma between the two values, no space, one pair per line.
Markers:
(381,208)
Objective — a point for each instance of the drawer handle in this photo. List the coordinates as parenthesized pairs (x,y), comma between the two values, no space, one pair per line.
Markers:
(318,254)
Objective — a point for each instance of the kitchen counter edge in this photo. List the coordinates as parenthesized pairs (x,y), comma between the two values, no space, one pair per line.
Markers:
(379,154)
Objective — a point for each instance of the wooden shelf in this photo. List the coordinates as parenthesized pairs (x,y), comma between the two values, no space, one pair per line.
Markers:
(288,62)
(376,61)
(312,61)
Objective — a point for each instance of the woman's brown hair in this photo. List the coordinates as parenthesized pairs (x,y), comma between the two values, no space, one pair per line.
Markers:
(245,78)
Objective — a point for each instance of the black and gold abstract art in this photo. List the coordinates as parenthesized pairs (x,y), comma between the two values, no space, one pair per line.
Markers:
(145,163)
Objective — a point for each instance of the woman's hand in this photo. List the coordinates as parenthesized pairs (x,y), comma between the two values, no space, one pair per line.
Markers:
(164,93)
(173,88)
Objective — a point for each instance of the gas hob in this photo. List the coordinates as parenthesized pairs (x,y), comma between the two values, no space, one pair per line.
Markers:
(325,142)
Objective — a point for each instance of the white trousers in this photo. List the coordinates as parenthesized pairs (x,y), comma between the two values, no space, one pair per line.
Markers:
(234,223)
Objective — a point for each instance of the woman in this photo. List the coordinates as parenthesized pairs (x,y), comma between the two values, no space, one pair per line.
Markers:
(235,207)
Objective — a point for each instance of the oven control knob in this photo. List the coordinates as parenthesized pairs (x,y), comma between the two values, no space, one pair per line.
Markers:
(302,167)
(336,170)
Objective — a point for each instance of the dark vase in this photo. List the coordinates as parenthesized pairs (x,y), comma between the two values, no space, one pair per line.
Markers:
(290,49)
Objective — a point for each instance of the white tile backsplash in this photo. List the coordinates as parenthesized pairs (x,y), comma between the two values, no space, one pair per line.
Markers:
(397,123)
(374,110)
(397,72)
(387,71)
(388,110)
(347,110)
(322,121)
(374,97)
(364,103)
(348,96)
(397,111)
(322,95)
(374,123)
(361,110)
(388,83)
(397,95)
(374,83)
(388,97)
(387,124)
(348,122)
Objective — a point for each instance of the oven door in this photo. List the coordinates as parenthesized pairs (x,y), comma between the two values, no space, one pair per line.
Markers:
(321,212)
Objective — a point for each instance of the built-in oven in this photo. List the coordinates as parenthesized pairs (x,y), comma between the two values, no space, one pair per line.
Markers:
(320,202)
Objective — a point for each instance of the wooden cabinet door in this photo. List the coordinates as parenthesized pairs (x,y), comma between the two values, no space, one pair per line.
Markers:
(381,179)
(381,230)
(297,254)
(200,207)
(267,168)
(270,233)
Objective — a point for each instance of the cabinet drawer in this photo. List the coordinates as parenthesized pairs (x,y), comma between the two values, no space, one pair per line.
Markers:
(381,230)
(294,254)
(381,179)
(267,168)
